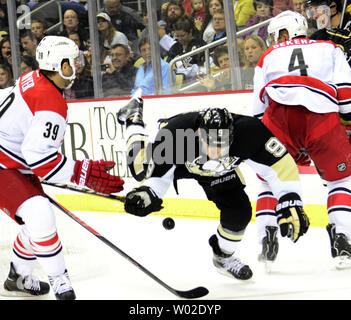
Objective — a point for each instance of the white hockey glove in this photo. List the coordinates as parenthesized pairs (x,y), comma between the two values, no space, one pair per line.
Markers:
(142,201)
(292,219)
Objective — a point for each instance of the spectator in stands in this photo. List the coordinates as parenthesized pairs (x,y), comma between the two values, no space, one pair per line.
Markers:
(243,10)
(220,81)
(29,43)
(74,35)
(207,27)
(263,12)
(28,63)
(219,25)
(6,77)
(282,5)
(174,10)
(38,28)
(104,57)
(82,87)
(254,46)
(187,41)
(5,46)
(336,7)
(107,32)
(4,24)
(71,23)
(144,77)
(198,12)
(166,41)
(120,75)
(298,6)
(125,20)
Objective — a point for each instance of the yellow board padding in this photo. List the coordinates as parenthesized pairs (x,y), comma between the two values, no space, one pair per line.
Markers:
(176,208)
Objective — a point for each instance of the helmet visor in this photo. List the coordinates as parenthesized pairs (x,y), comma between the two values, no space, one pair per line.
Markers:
(320,13)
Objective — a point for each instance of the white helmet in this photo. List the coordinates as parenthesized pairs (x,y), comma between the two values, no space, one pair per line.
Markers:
(52,50)
(294,22)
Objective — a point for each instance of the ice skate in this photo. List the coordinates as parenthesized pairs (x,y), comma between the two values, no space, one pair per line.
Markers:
(132,113)
(227,264)
(16,285)
(62,287)
(340,248)
(270,248)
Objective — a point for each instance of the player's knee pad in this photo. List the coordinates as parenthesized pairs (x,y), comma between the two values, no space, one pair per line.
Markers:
(38,216)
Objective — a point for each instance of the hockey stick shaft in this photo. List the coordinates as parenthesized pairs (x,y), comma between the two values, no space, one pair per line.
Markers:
(190,294)
(86,191)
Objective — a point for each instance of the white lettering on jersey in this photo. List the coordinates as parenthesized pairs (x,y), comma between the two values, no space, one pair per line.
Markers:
(27,82)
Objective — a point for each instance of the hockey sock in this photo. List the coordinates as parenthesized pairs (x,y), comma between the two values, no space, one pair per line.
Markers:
(229,240)
(339,209)
(48,251)
(23,258)
(265,213)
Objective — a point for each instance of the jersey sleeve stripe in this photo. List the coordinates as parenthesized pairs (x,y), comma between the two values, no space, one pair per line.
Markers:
(56,169)
(49,168)
(9,158)
(43,161)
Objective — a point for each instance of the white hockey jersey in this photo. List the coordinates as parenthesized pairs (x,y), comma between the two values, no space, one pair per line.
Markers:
(305,72)
(33,119)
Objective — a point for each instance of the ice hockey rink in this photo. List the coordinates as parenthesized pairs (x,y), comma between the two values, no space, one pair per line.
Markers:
(182,258)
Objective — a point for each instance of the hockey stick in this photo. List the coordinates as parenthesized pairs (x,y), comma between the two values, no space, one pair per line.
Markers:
(81,190)
(189,294)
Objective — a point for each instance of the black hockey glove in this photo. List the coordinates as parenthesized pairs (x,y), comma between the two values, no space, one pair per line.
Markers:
(142,201)
(291,217)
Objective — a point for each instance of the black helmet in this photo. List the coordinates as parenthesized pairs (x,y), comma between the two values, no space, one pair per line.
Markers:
(216,126)
(309,3)
(338,3)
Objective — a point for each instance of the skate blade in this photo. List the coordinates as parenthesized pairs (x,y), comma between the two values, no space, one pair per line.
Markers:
(268,265)
(343,262)
(20,294)
(229,275)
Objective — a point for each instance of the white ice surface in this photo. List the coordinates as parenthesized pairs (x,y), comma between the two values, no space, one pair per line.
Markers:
(183,259)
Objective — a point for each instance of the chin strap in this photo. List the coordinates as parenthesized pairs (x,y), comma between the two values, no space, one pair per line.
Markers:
(70,78)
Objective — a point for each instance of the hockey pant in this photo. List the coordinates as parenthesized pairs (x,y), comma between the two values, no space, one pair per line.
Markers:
(228,193)
(37,240)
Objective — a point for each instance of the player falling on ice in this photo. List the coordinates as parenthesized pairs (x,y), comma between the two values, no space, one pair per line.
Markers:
(33,119)
(215,143)
(302,93)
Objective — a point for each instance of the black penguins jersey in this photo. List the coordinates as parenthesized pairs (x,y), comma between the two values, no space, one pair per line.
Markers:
(177,148)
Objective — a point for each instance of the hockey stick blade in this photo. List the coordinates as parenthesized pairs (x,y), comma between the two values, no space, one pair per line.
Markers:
(192,294)
(189,294)
(83,190)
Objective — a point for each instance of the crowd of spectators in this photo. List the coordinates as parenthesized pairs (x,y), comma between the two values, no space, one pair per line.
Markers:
(124,45)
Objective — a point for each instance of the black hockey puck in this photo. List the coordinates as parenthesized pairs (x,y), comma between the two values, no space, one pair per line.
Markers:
(168,223)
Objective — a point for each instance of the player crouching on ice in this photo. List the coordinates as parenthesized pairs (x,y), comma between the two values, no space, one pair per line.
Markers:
(222,141)
(32,126)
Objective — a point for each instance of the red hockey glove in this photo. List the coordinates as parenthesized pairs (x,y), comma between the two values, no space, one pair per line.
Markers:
(92,174)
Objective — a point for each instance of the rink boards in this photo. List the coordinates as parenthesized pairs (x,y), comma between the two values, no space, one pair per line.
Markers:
(93,132)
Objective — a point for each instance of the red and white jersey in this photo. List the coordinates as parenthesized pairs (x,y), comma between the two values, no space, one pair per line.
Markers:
(305,72)
(33,119)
